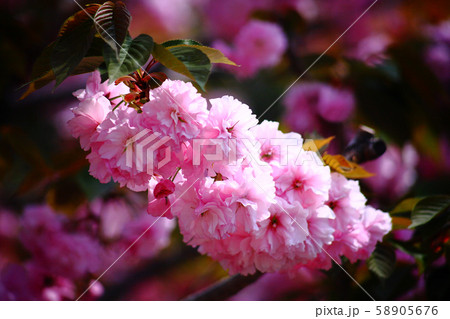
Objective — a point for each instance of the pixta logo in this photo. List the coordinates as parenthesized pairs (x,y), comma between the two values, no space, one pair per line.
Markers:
(145,146)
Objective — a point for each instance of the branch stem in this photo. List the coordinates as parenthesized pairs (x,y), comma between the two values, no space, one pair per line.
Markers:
(225,288)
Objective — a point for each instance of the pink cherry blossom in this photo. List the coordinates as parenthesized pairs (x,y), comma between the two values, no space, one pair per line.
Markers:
(377,224)
(275,145)
(93,108)
(225,133)
(203,212)
(307,181)
(176,110)
(348,203)
(234,253)
(251,197)
(88,115)
(110,146)
(229,118)
(278,237)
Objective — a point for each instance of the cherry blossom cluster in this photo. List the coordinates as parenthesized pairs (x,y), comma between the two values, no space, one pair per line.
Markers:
(244,193)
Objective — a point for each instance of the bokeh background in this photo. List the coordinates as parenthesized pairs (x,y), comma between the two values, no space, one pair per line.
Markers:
(60,228)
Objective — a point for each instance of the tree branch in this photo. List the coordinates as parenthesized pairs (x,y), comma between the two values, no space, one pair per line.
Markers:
(225,288)
(152,269)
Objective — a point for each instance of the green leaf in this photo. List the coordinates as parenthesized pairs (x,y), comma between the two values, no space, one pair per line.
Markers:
(75,51)
(170,61)
(405,206)
(189,58)
(88,64)
(214,55)
(176,42)
(382,261)
(428,208)
(96,48)
(73,44)
(41,73)
(112,21)
(103,69)
(133,55)
(195,61)
(42,64)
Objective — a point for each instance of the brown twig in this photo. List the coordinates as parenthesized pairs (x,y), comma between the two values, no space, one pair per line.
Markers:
(225,288)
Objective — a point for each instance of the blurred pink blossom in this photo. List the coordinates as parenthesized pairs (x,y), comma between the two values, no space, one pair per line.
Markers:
(438,54)
(258,45)
(307,104)
(395,171)
(70,255)
(226,18)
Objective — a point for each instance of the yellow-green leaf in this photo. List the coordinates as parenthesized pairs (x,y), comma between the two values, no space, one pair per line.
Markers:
(406,205)
(214,55)
(87,65)
(166,58)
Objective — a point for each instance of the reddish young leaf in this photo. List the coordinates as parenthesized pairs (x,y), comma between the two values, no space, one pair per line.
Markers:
(78,18)
(112,21)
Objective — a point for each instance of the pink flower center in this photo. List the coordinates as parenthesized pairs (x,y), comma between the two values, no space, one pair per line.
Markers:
(298,184)
(230,129)
(267,155)
(274,222)
(177,116)
(332,204)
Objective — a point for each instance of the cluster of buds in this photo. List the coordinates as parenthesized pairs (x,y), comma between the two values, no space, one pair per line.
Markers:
(140,83)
